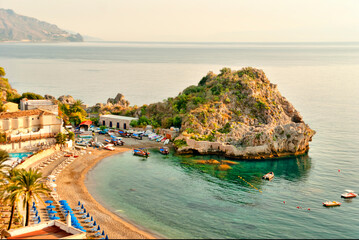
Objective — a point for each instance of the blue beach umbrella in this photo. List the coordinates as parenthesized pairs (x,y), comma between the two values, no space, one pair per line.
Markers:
(50,206)
(103,233)
(55,218)
(62,201)
(37,213)
(82,206)
(84,210)
(94,223)
(106,237)
(48,201)
(52,211)
(67,208)
(33,203)
(98,228)
(79,203)
(91,218)
(88,215)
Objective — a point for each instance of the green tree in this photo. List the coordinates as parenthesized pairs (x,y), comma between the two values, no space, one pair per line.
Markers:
(71,136)
(2,72)
(28,186)
(61,139)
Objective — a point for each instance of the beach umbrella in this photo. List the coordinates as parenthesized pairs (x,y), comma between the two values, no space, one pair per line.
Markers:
(53,185)
(84,210)
(91,218)
(106,237)
(94,223)
(79,203)
(33,204)
(82,206)
(98,228)
(50,206)
(88,215)
(62,202)
(52,211)
(37,213)
(51,176)
(67,208)
(55,218)
(103,233)
(48,201)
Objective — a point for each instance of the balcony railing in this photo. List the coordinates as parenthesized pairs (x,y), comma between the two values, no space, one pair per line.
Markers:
(16,139)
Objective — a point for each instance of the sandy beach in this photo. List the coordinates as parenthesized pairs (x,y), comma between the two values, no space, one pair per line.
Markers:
(71,187)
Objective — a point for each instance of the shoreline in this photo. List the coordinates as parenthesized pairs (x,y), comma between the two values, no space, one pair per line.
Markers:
(115,226)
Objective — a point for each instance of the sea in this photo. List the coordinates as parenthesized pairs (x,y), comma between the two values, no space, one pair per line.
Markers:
(174,196)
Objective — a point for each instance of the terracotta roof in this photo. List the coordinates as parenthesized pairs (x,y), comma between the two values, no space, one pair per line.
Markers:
(26,113)
(52,232)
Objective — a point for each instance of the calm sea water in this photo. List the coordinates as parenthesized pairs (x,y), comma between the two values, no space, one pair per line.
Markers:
(174,196)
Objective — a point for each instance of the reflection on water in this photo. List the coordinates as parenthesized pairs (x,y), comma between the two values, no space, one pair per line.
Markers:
(291,168)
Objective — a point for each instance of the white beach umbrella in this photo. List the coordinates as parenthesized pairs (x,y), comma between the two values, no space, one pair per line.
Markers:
(51,176)
(53,185)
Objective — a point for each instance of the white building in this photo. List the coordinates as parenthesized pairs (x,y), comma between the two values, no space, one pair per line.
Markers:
(115,121)
(43,104)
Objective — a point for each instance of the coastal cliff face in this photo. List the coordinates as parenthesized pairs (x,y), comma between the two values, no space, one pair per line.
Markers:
(14,27)
(243,116)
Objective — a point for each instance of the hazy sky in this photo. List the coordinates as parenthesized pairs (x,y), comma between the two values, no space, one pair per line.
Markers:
(199,20)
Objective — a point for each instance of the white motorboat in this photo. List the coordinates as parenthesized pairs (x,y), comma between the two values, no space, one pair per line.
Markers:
(349,194)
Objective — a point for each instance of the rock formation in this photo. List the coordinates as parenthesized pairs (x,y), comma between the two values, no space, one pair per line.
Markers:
(113,105)
(244,117)
(67,99)
(119,100)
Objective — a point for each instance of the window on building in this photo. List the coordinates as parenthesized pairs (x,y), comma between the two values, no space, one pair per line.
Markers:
(118,125)
(104,122)
(124,126)
(110,124)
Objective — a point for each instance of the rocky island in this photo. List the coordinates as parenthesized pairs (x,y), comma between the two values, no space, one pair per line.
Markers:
(15,27)
(238,114)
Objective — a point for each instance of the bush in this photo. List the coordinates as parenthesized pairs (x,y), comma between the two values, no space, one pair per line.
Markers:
(192,89)
(180,103)
(180,143)
(134,123)
(225,129)
(95,121)
(217,89)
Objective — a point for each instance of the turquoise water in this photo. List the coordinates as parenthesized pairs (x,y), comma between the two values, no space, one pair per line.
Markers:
(177,198)
(20,155)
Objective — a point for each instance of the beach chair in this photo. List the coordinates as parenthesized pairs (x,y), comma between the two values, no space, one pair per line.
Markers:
(97,234)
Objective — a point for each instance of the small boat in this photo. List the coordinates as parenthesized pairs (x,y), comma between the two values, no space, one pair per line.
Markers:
(268,176)
(349,194)
(109,147)
(141,152)
(107,140)
(164,150)
(331,204)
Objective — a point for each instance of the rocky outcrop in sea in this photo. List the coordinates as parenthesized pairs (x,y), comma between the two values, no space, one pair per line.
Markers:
(248,119)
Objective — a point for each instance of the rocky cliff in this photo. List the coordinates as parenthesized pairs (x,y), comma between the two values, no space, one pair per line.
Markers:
(244,116)
(14,27)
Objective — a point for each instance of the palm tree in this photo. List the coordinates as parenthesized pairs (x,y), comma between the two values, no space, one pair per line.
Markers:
(29,188)
(4,156)
(7,193)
